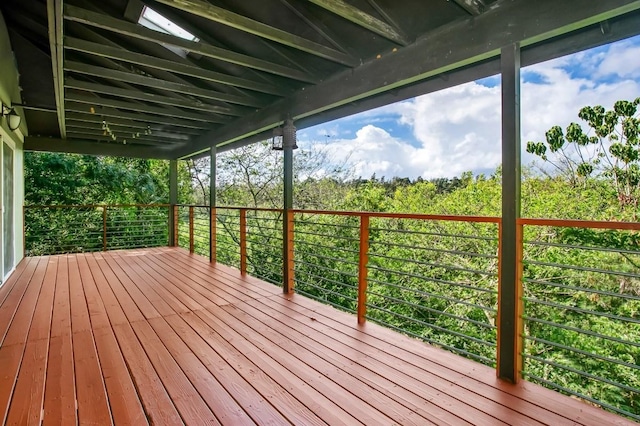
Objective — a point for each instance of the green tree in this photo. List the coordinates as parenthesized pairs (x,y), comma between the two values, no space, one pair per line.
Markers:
(609,149)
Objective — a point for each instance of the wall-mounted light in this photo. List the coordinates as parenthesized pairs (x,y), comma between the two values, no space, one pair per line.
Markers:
(13,119)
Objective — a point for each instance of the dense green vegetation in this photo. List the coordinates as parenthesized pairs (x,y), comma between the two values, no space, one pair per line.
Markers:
(68,180)
(433,279)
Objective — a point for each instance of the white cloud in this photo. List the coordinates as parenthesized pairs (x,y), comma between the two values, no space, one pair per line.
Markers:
(622,60)
(458,129)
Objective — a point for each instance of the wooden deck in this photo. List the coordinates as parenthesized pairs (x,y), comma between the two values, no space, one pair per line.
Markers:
(160,336)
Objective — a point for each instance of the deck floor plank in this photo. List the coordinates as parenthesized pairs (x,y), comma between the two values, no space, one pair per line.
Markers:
(305,392)
(184,395)
(60,388)
(247,384)
(93,407)
(28,396)
(368,405)
(123,398)
(212,392)
(159,336)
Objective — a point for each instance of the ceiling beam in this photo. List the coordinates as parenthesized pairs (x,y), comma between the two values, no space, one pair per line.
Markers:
(302,11)
(91,34)
(55,22)
(83,117)
(92,148)
(463,43)
(138,31)
(288,57)
(103,111)
(91,128)
(147,97)
(225,17)
(97,102)
(119,138)
(362,19)
(119,54)
(157,83)
(473,7)
(120,131)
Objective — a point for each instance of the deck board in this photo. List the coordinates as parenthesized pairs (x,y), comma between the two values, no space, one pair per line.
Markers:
(158,336)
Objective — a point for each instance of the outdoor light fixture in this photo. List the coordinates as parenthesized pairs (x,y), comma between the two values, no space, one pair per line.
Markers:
(277,143)
(284,137)
(13,119)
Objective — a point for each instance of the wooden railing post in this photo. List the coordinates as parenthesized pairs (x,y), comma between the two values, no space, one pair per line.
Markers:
(212,234)
(362,268)
(243,241)
(104,228)
(288,264)
(191,241)
(176,222)
(519,349)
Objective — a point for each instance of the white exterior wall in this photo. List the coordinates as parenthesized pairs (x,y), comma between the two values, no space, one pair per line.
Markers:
(10,94)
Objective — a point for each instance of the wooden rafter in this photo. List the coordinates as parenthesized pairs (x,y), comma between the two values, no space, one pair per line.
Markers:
(91,48)
(473,7)
(174,112)
(242,23)
(103,111)
(160,84)
(143,96)
(137,31)
(54,16)
(358,17)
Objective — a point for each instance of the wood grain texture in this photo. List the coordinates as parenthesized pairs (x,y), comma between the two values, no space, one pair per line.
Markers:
(161,336)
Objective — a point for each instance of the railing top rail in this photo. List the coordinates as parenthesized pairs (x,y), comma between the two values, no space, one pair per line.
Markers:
(259,209)
(88,206)
(486,219)
(572,223)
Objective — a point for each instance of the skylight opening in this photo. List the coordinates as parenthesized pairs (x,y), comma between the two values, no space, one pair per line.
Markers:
(154,21)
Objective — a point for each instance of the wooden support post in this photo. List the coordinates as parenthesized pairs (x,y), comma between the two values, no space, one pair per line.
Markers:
(176,221)
(212,235)
(104,228)
(243,241)
(362,269)
(173,200)
(509,321)
(212,205)
(289,265)
(191,240)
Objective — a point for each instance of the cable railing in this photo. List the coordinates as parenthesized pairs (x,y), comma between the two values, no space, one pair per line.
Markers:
(432,277)
(247,239)
(75,229)
(581,293)
(435,278)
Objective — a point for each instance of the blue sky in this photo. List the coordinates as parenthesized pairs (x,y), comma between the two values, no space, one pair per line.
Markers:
(445,133)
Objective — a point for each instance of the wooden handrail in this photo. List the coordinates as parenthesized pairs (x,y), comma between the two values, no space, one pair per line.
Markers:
(420,216)
(90,206)
(572,223)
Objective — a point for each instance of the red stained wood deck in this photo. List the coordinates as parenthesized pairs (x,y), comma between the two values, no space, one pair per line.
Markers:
(159,336)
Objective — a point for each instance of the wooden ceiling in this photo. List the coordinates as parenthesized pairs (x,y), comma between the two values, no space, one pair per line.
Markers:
(96,81)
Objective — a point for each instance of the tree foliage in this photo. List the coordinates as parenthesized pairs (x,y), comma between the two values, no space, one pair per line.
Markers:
(608,149)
